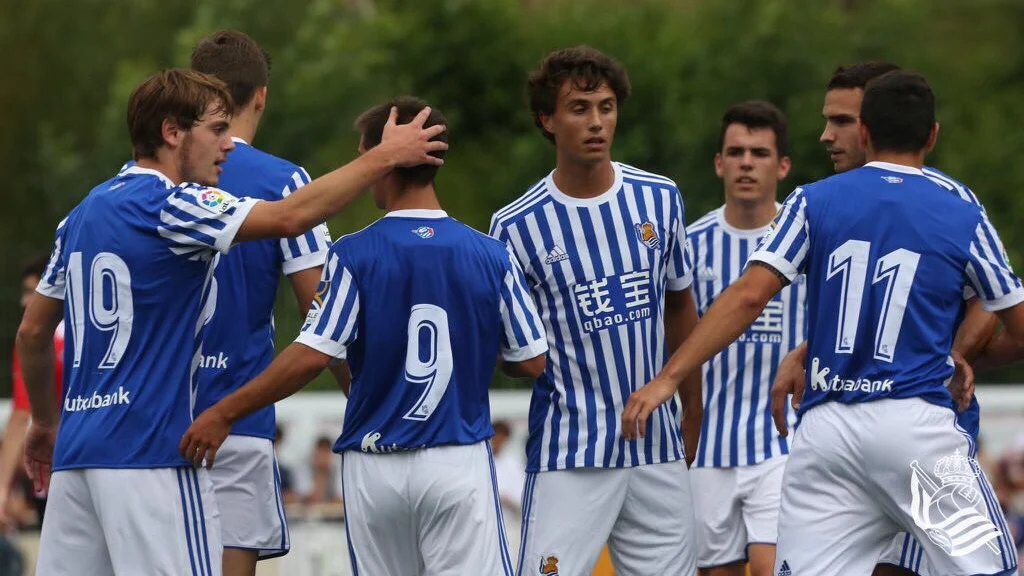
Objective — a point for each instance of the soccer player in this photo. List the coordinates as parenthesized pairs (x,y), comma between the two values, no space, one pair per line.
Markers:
(887,252)
(420,305)
(603,247)
(738,472)
(129,271)
(239,339)
(841,138)
(17,422)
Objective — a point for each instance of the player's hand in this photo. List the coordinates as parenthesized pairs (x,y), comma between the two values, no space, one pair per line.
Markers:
(38,460)
(790,379)
(204,437)
(641,403)
(961,386)
(409,144)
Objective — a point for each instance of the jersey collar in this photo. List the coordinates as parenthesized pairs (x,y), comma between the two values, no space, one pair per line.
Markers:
(432,214)
(147,172)
(238,140)
(895,167)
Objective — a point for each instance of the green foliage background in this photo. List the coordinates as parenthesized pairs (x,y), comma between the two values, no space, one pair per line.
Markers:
(70,66)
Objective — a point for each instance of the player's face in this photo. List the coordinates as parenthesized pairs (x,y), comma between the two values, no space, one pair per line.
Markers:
(842,128)
(584,123)
(749,164)
(28,287)
(205,146)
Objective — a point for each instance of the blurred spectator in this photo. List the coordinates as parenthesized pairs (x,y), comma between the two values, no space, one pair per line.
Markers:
(288,493)
(13,481)
(323,484)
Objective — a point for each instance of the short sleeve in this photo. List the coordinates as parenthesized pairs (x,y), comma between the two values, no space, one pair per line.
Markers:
(680,265)
(988,269)
(194,218)
(785,247)
(308,250)
(331,325)
(52,282)
(522,335)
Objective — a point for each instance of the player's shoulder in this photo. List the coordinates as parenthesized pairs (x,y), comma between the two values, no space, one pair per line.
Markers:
(952,184)
(533,200)
(638,176)
(705,223)
(249,171)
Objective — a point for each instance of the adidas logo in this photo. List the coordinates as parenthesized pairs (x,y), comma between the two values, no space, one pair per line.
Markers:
(784,570)
(556,255)
(705,274)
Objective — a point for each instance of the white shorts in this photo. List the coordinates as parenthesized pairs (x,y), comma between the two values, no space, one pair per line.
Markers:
(429,511)
(644,513)
(247,485)
(130,521)
(860,473)
(905,552)
(736,507)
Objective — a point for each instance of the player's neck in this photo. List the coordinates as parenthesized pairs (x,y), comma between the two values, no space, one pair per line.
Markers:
(581,180)
(244,125)
(913,159)
(749,215)
(415,198)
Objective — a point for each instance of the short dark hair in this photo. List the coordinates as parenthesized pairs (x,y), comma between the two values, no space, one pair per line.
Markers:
(370,125)
(237,60)
(757,114)
(178,95)
(858,75)
(898,111)
(34,266)
(585,67)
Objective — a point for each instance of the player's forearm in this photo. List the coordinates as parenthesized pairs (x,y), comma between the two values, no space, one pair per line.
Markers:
(342,376)
(293,368)
(1001,350)
(314,203)
(13,443)
(975,332)
(35,353)
(732,313)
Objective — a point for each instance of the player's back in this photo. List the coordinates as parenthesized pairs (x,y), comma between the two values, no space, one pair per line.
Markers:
(890,252)
(428,330)
(238,342)
(131,305)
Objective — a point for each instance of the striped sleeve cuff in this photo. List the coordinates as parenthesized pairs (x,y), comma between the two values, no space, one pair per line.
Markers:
(226,239)
(304,262)
(1003,302)
(323,345)
(785,267)
(531,350)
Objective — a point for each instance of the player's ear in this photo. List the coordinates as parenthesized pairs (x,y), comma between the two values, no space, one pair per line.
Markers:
(933,137)
(865,136)
(259,99)
(172,133)
(784,165)
(548,122)
(718,164)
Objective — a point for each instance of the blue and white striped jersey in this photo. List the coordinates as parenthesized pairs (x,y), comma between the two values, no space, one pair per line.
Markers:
(421,305)
(133,263)
(738,429)
(887,251)
(598,270)
(238,342)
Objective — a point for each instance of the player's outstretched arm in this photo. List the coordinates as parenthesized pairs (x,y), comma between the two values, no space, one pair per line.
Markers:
(402,145)
(680,320)
(293,368)
(34,344)
(976,331)
(789,379)
(732,313)
(529,368)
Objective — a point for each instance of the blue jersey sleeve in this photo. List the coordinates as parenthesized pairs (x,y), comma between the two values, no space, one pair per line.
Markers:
(522,335)
(785,247)
(989,271)
(680,266)
(196,218)
(330,326)
(310,249)
(52,282)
